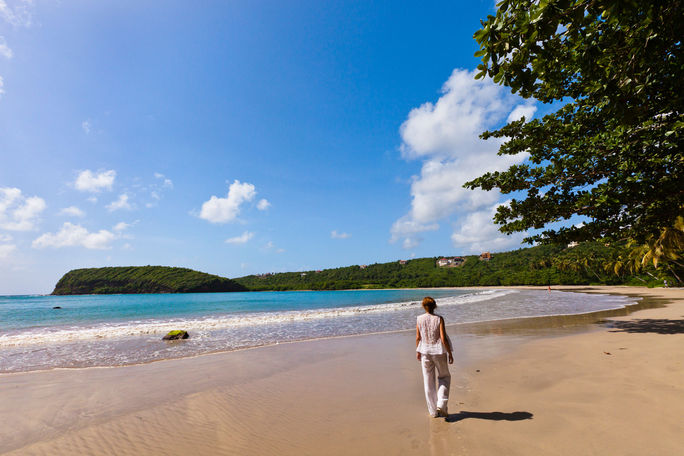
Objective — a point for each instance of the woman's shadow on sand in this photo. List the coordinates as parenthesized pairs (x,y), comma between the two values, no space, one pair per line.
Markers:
(494,416)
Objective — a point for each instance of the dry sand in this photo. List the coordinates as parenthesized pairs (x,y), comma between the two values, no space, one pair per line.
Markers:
(574,389)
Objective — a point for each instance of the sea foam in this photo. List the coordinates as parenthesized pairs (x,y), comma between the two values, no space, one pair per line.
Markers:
(138,328)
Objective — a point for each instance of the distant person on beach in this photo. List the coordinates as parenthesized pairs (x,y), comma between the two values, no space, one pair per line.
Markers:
(432,347)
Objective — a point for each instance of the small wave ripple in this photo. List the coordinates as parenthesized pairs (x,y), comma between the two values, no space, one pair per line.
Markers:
(137,328)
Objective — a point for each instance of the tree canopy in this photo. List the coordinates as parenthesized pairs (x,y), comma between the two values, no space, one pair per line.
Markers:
(589,262)
(142,279)
(612,151)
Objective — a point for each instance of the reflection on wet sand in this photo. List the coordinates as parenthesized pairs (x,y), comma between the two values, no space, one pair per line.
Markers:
(555,325)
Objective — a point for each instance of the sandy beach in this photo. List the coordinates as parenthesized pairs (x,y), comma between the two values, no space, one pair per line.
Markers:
(562,387)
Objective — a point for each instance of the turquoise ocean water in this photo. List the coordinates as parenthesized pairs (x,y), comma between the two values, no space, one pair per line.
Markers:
(106,330)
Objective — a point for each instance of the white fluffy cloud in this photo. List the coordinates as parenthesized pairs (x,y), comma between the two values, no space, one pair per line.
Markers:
(407,228)
(71,235)
(222,210)
(263,204)
(242,239)
(87,126)
(335,235)
(18,15)
(18,213)
(476,233)
(520,111)
(6,250)
(87,181)
(120,203)
(72,211)
(445,136)
(121,226)
(5,50)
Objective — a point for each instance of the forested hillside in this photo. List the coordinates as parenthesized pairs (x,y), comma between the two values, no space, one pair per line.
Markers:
(541,265)
(587,263)
(141,279)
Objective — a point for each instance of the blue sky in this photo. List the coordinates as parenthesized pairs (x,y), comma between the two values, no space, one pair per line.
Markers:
(242,137)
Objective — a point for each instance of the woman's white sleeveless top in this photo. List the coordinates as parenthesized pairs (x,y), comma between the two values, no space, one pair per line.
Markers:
(430,342)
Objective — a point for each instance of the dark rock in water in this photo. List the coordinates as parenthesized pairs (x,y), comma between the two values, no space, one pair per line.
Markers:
(56,307)
(176,335)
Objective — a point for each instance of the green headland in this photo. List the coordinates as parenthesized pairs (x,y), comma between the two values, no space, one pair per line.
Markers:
(583,264)
(142,279)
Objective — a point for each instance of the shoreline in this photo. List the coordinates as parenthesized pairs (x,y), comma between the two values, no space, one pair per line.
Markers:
(474,287)
(616,390)
(505,322)
(137,412)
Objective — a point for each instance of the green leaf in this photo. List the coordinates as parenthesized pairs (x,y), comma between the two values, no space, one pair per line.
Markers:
(612,68)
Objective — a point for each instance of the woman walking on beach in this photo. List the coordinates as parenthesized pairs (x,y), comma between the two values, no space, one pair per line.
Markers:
(432,347)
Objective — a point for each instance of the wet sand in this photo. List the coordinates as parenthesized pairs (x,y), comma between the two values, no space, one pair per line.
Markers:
(560,385)
(618,390)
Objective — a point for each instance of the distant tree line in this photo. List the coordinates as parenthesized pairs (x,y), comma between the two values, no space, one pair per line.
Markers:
(587,263)
(552,264)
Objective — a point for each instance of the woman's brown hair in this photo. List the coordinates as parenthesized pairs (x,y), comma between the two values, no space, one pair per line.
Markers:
(429,304)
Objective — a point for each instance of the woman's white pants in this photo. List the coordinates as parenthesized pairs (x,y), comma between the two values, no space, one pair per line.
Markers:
(437,380)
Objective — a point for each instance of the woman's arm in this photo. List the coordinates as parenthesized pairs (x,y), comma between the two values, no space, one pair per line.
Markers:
(417,342)
(445,339)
